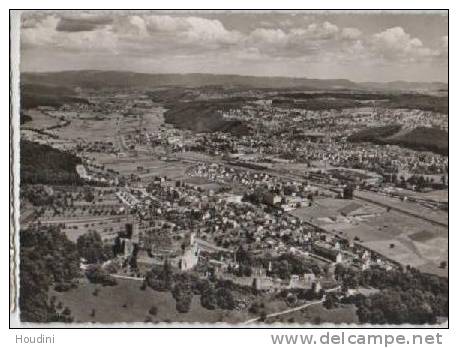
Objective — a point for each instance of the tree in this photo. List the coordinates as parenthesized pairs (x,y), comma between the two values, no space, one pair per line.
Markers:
(242,256)
(153,310)
(331,301)
(118,247)
(254,308)
(183,294)
(160,279)
(443,264)
(208,298)
(88,195)
(91,248)
(225,299)
(167,274)
(97,275)
(291,299)
(282,269)
(348,192)
(183,304)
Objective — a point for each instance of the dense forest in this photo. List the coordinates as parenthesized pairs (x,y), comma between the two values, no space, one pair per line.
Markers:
(47,258)
(203,117)
(417,101)
(335,95)
(424,138)
(374,134)
(339,100)
(317,104)
(420,138)
(42,164)
(407,296)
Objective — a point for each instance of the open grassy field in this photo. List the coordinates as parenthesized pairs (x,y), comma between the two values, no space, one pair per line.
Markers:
(153,119)
(155,167)
(126,302)
(325,208)
(194,156)
(40,120)
(101,130)
(108,228)
(317,314)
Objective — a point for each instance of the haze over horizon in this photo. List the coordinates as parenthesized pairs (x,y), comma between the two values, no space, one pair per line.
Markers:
(222,74)
(358,47)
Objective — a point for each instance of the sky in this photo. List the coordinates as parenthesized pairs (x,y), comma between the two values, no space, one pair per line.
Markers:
(359,46)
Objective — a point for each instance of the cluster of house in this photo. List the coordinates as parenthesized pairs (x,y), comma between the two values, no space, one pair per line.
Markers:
(264,188)
(216,224)
(290,136)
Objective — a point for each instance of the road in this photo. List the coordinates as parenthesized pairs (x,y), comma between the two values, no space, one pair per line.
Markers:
(82,219)
(26,224)
(119,276)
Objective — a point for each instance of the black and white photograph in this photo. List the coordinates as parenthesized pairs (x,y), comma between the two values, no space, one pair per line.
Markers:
(277,168)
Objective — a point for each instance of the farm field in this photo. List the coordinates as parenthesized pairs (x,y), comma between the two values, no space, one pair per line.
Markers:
(107,228)
(403,238)
(415,208)
(101,129)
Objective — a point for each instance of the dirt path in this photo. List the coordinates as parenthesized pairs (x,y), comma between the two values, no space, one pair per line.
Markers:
(287,311)
(295,309)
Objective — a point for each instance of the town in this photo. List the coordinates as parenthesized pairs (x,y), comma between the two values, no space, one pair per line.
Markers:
(283,212)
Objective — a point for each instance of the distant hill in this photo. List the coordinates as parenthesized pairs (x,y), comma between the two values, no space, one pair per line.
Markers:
(43,94)
(97,79)
(405,86)
(417,101)
(383,99)
(100,78)
(419,138)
